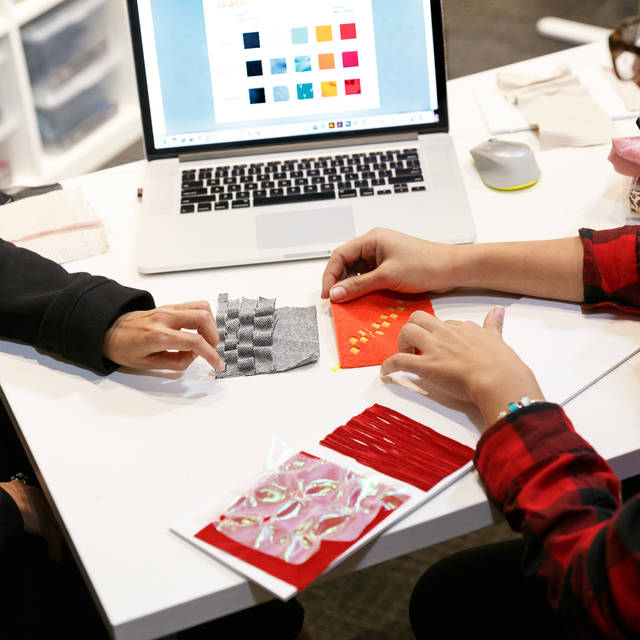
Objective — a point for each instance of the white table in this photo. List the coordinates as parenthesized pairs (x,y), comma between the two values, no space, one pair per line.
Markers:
(122,457)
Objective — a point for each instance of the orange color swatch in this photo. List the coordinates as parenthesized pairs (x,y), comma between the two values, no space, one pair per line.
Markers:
(367,328)
(326,61)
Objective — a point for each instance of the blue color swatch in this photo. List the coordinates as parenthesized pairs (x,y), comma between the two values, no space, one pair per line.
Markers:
(251,40)
(305,91)
(280,94)
(303,63)
(299,35)
(254,68)
(256,96)
(278,65)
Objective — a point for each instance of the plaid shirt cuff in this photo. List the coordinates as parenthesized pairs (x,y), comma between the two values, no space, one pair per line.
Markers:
(611,268)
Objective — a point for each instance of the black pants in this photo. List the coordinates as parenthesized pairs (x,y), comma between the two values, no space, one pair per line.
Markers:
(40,599)
(481,593)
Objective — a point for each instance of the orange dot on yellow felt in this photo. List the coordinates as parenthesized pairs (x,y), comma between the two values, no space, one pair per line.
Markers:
(326,61)
(393,315)
(354,350)
(386,324)
(353,340)
(380,333)
(375,325)
(363,339)
(362,333)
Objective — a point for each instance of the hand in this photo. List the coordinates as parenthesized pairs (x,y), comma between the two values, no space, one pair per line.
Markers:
(385,259)
(36,515)
(464,360)
(154,339)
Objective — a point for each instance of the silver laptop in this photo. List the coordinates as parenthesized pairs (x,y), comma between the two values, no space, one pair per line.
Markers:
(279,129)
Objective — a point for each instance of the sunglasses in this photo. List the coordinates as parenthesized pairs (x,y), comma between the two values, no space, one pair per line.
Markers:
(624,45)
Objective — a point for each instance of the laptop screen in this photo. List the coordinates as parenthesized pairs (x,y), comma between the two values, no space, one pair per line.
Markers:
(228,72)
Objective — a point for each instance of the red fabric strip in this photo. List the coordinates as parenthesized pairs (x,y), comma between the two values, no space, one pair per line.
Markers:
(399,447)
(300,575)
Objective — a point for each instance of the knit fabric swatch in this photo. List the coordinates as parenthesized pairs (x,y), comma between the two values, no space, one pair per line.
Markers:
(255,337)
(367,328)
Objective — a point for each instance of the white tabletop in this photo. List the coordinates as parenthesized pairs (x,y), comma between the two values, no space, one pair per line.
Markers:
(123,457)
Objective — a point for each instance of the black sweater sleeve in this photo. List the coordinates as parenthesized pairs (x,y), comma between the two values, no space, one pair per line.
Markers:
(69,314)
(10,518)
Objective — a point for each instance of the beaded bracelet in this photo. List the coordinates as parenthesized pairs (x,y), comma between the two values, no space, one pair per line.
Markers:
(525,401)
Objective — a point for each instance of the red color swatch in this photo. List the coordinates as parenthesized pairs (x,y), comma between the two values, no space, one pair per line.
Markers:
(399,447)
(352,87)
(367,328)
(348,31)
(349,58)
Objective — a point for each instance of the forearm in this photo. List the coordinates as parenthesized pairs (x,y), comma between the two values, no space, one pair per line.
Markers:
(552,486)
(545,268)
(66,313)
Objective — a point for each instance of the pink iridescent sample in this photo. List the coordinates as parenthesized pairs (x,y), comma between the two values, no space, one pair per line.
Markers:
(303,502)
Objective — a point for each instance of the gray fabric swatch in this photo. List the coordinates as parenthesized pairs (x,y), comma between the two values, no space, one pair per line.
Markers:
(295,337)
(255,337)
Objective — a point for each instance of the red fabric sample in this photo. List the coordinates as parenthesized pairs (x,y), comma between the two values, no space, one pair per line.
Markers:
(399,447)
(284,510)
(367,328)
(298,575)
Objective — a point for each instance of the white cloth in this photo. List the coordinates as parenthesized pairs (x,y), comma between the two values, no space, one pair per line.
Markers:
(59,225)
(558,106)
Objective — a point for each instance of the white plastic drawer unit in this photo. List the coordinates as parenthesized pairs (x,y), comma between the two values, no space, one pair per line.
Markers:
(68,112)
(64,41)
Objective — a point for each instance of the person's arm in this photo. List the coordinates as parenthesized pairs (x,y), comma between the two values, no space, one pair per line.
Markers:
(550,484)
(95,321)
(581,543)
(597,267)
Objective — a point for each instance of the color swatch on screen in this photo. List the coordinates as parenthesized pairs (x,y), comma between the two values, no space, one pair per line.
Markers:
(254,68)
(326,61)
(350,59)
(352,87)
(305,91)
(280,94)
(278,65)
(348,31)
(302,63)
(329,89)
(323,33)
(367,328)
(299,35)
(257,96)
(251,40)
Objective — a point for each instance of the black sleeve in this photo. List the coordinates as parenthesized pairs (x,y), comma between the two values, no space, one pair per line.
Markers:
(69,314)
(10,518)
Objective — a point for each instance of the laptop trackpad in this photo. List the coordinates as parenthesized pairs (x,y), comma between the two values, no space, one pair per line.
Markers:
(309,227)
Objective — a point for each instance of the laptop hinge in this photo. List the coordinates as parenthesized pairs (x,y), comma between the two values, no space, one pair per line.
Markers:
(298,146)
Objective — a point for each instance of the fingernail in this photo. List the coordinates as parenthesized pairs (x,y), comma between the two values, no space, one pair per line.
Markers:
(338,293)
(499,312)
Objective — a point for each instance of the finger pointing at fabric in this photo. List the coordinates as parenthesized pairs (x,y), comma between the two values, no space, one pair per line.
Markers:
(464,360)
(157,339)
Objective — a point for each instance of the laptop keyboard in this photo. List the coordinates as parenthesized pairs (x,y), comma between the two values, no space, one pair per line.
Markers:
(258,184)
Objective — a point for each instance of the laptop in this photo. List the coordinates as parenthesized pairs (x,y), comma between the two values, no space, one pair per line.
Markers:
(278,129)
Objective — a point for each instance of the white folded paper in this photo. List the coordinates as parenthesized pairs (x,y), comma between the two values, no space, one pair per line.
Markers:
(59,225)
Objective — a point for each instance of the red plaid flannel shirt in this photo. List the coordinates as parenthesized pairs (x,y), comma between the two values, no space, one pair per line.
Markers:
(582,543)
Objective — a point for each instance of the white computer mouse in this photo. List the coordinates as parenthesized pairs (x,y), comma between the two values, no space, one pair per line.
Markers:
(506,165)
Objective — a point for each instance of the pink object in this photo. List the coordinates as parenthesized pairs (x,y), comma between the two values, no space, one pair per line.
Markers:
(350,59)
(625,156)
(306,501)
